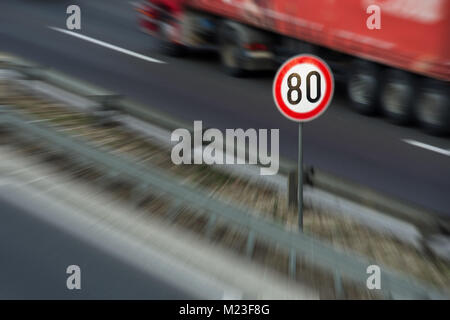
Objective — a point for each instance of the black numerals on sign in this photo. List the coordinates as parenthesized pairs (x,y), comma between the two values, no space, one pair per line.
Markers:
(296,88)
(293,88)
(308,86)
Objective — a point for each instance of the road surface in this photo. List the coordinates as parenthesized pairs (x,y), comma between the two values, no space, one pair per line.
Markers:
(365,150)
(34,256)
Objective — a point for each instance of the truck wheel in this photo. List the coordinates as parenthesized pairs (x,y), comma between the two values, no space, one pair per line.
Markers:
(432,107)
(398,96)
(231,52)
(363,87)
(166,44)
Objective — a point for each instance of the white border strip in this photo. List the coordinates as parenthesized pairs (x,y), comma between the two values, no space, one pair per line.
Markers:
(427,147)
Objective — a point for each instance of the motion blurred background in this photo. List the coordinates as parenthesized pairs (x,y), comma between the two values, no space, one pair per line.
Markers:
(378,159)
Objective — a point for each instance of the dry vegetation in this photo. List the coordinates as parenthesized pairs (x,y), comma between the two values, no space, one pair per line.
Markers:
(262,198)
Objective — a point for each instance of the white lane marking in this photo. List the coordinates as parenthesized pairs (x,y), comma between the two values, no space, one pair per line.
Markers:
(107,45)
(427,147)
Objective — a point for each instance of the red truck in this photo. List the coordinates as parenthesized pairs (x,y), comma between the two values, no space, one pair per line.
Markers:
(400,68)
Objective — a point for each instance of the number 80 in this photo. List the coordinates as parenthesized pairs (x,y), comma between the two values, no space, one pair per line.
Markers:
(296,88)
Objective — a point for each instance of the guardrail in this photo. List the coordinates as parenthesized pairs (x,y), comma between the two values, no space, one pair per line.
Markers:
(341,265)
(427,221)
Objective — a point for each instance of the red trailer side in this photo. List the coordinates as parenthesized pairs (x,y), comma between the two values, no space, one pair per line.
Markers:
(401,70)
(414,34)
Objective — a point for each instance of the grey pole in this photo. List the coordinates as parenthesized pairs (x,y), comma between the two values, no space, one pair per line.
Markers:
(300,177)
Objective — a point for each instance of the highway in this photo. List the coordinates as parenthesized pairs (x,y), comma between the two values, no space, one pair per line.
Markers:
(366,150)
(34,256)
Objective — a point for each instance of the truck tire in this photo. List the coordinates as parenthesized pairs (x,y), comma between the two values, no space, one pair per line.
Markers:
(166,45)
(432,108)
(231,51)
(398,94)
(363,86)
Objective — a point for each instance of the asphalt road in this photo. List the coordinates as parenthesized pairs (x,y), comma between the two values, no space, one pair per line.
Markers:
(34,256)
(365,150)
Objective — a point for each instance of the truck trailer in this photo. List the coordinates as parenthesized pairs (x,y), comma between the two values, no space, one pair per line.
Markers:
(400,68)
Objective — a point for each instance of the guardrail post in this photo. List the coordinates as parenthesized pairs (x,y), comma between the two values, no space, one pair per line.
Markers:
(387,294)
(138,194)
(338,288)
(210,225)
(105,114)
(108,177)
(173,211)
(308,173)
(292,189)
(4,92)
(292,263)
(250,244)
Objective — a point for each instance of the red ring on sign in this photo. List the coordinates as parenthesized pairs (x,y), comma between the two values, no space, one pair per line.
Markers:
(303,116)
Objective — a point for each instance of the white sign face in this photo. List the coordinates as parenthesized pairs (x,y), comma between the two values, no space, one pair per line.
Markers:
(303,88)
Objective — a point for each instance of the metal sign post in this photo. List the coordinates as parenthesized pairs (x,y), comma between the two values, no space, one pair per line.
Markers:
(302,90)
(300,177)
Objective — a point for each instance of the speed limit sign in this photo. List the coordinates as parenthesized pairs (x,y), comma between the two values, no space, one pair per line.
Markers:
(302,90)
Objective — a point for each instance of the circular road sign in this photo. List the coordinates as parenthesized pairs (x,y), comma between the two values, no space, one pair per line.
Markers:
(303,88)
